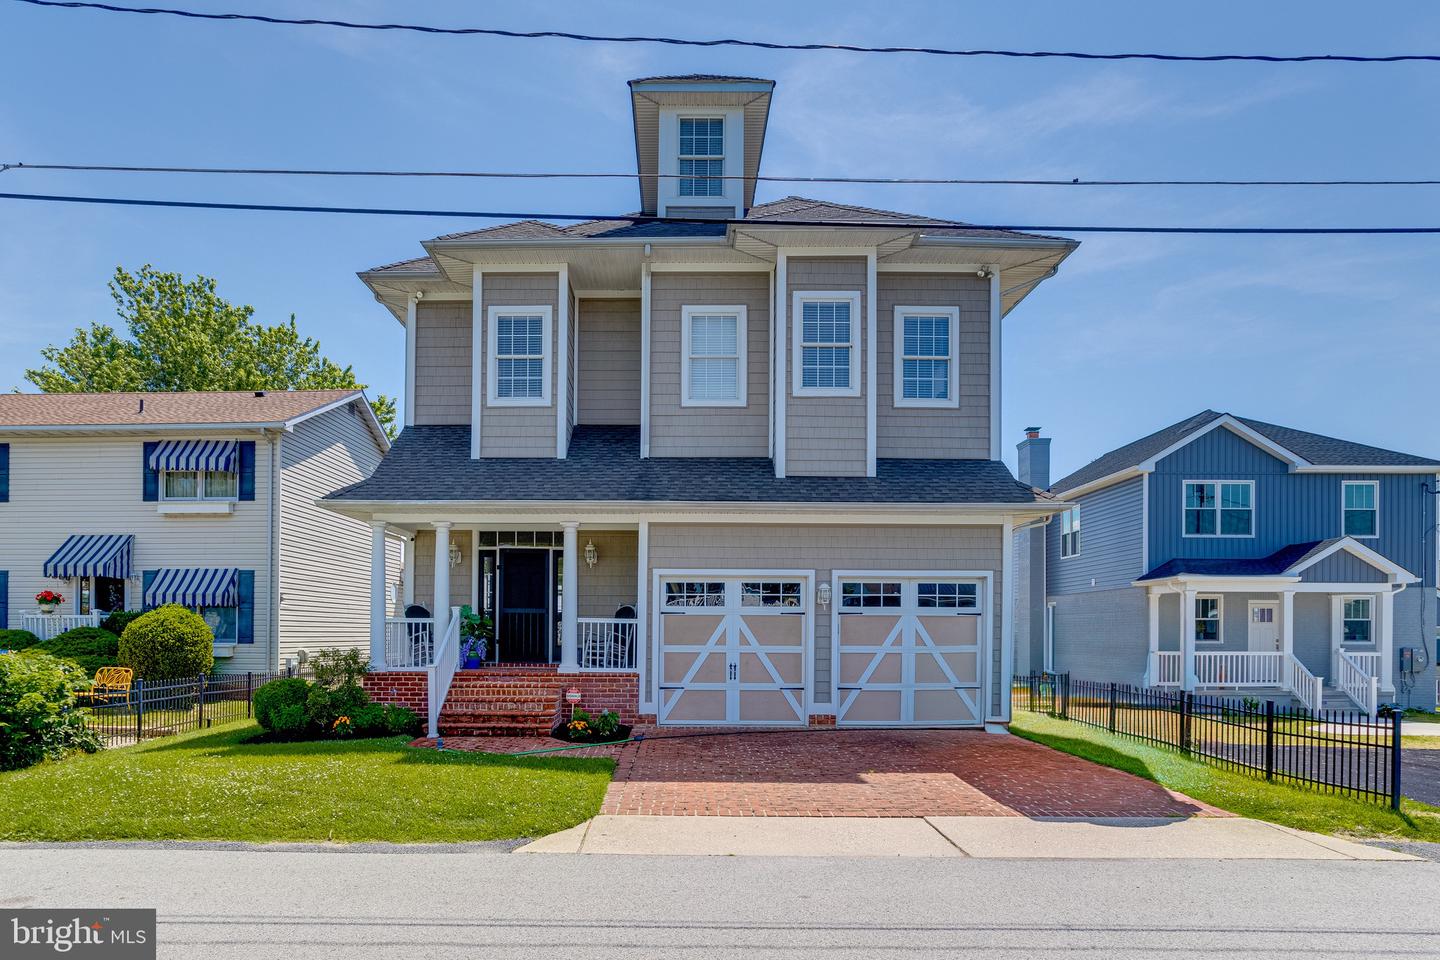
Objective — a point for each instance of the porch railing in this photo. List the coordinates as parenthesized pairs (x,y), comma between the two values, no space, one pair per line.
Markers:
(1369,662)
(1304,685)
(1357,683)
(442,671)
(48,626)
(1240,669)
(1165,668)
(606,643)
(409,643)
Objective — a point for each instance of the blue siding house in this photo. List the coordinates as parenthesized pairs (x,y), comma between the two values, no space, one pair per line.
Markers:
(1228,554)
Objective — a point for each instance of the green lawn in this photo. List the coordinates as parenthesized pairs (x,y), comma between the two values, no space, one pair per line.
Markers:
(210,786)
(1239,793)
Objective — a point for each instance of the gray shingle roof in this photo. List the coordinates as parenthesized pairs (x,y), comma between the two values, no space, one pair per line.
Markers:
(1314,447)
(419,264)
(1272,566)
(432,463)
(701,77)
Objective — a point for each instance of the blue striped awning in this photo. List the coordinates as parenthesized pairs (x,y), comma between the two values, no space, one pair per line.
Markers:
(91,555)
(194,587)
(193,455)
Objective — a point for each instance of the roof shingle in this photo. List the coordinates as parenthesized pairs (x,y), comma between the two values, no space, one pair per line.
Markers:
(162,409)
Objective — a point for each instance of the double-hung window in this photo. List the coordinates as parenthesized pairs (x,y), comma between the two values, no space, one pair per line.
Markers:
(827,351)
(702,157)
(1219,508)
(222,621)
(1070,532)
(519,346)
(712,369)
(200,484)
(1207,619)
(1358,615)
(925,367)
(1361,508)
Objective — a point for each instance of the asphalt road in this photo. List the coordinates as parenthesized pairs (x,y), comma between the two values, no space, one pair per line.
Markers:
(488,904)
(1420,777)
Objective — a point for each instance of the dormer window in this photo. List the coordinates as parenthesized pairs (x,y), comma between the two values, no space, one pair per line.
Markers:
(702,157)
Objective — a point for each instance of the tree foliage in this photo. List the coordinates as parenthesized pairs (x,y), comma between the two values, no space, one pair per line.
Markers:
(181,335)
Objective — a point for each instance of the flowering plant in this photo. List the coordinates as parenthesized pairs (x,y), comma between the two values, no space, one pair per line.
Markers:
(342,727)
(49,597)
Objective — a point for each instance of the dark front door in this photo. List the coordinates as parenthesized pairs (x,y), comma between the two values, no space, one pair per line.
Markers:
(524,628)
(109,594)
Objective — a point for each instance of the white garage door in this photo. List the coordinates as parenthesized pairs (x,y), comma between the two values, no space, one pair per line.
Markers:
(910,651)
(732,650)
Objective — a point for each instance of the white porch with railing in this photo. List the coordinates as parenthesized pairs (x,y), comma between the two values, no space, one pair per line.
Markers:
(48,626)
(1361,676)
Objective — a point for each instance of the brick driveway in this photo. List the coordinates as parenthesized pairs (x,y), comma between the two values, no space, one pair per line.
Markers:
(876,773)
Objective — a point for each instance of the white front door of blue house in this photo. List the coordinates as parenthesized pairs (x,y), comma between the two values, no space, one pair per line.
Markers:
(1264,627)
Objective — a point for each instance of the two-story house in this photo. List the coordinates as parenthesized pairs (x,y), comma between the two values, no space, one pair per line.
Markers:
(125,501)
(725,463)
(1228,554)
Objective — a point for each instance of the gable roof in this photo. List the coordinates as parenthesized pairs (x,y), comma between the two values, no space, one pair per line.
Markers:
(1313,448)
(1288,561)
(198,409)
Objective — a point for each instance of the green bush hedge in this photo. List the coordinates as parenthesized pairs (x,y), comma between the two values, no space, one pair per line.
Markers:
(39,718)
(90,647)
(333,706)
(119,620)
(167,643)
(17,639)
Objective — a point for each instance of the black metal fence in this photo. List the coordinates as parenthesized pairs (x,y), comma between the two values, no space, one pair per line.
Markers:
(1338,751)
(163,708)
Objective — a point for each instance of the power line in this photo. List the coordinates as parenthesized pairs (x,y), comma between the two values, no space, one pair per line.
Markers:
(633,218)
(579,175)
(731,42)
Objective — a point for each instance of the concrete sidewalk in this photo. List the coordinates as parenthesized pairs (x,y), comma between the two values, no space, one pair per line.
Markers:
(1197,838)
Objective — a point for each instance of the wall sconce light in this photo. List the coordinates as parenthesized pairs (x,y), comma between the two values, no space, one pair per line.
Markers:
(455,556)
(592,556)
(822,594)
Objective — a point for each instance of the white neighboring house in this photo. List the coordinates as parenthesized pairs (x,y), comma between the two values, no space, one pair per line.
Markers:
(124,501)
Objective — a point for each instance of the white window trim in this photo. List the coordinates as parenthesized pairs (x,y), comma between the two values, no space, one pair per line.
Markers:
(721,156)
(1343,510)
(1374,636)
(1217,535)
(797,333)
(1063,516)
(952,400)
(741,377)
(1219,599)
(200,496)
(492,365)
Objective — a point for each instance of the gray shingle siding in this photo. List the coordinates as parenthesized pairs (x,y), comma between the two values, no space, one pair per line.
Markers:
(825,436)
(1342,567)
(1110,542)
(1102,634)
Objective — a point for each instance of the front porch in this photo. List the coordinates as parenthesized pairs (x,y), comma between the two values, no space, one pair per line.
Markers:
(554,625)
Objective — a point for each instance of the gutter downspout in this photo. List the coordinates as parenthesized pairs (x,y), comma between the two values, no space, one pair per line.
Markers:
(273,553)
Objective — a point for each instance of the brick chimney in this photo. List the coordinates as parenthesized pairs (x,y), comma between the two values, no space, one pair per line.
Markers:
(1034,459)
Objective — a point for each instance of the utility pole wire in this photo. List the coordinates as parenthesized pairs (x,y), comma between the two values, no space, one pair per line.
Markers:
(732,42)
(638,219)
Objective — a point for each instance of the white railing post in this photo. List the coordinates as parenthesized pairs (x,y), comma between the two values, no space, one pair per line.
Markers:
(442,670)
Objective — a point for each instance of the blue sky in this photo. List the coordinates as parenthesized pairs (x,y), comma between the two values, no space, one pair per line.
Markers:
(1329,334)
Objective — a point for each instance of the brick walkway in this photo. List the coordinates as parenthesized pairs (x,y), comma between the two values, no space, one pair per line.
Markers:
(863,773)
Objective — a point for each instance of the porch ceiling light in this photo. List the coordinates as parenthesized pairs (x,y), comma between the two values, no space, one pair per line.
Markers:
(455,556)
(592,556)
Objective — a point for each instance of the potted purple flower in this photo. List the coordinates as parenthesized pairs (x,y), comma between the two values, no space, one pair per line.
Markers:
(476,633)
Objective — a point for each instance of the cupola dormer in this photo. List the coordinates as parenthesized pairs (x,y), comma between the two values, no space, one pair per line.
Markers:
(697,143)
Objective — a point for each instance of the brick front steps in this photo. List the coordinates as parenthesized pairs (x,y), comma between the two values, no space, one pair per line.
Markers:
(503,702)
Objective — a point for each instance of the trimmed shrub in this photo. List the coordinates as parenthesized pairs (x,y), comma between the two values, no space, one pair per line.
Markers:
(89,647)
(277,696)
(119,620)
(167,643)
(39,717)
(336,668)
(17,639)
(289,721)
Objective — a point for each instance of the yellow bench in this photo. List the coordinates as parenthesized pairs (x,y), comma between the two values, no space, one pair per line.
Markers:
(110,683)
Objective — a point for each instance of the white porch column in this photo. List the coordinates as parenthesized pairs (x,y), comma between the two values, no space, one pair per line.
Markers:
(407,555)
(642,607)
(1152,662)
(1187,639)
(1287,622)
(442,580)
(1337,633)
(1387,642)
(377,596)
(570,577)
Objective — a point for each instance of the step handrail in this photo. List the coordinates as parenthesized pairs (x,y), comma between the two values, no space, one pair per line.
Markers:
(1304,685)
(441,671)
(1357,683)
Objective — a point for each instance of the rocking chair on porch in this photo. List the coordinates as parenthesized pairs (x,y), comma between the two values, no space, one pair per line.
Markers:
(421,636)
